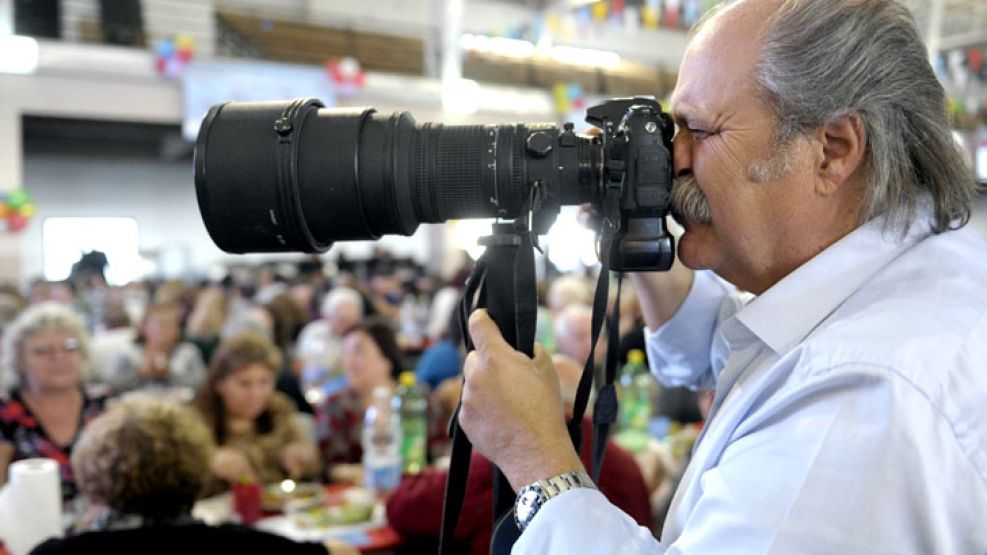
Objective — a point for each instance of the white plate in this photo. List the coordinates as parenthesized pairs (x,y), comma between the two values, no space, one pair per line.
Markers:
(214,510)
(284,525)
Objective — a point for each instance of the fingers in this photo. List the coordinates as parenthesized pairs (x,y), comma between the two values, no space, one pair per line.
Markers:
(542,359)
(486,335)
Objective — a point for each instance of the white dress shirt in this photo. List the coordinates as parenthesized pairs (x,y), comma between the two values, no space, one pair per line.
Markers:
(850,413)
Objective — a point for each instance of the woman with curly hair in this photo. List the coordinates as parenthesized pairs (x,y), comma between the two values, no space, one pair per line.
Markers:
(141,465)
(259,434)
(43,404)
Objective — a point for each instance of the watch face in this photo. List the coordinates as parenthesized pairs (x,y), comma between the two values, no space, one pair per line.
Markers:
(527,504)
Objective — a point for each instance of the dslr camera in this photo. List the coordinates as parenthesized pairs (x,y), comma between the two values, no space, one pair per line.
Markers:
(297,176)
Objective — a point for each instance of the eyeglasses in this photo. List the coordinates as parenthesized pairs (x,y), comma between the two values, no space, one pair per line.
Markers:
(69,346)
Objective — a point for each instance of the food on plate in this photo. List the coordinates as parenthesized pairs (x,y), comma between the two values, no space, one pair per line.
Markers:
(338,515)
(276,497)
(353,506)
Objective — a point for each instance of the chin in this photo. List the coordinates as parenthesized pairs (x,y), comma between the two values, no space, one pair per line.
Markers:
(698,247)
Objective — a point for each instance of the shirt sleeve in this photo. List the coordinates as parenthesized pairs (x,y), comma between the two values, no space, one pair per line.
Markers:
(688,350)
(583,521)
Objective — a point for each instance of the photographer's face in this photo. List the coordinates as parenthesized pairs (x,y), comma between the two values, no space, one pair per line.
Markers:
(741,200)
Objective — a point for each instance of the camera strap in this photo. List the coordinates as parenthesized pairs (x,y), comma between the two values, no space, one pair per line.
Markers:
(605,409)
(503,282)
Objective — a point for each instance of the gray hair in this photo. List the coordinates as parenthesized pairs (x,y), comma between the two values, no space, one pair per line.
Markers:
(569,317)
(566,290)
(824,60)
(44,317)
(341,296)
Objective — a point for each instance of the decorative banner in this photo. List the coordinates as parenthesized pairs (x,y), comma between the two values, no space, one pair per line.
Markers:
(650,16)
(691,12)
(568,97)
(171,57)
(346,75)
(672,13)
(16,210)
(625,15)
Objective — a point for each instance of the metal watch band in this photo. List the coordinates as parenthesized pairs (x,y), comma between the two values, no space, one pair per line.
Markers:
(532,496)
(565,482)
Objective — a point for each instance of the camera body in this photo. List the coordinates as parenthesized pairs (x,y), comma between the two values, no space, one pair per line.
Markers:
(637,139)
(296,176)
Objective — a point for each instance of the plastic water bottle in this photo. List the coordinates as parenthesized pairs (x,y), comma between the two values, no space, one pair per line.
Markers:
(635,403)
(381,444)
(412,405)
(410,328)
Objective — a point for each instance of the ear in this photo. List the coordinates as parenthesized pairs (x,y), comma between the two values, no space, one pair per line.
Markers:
(839,152)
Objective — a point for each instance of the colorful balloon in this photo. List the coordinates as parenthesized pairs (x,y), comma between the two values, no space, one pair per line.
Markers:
(16,222)
(18,198)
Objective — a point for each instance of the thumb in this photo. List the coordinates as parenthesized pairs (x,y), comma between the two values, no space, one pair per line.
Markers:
(543,359)
(485,333)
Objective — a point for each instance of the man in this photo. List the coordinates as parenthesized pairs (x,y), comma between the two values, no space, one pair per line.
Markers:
(817,172)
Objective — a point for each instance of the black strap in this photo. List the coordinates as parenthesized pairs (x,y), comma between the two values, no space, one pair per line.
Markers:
(462,449)
(605,410)
(504,282)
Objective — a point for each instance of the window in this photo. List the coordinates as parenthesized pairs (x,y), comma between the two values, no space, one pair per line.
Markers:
(64,240)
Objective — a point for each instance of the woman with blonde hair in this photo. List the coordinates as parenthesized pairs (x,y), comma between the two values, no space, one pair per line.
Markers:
(258,431)
(44,405)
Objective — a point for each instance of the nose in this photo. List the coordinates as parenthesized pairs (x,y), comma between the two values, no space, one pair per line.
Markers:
(682,153)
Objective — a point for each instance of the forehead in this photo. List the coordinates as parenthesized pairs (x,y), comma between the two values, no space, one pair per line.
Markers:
(253,369)
(49,334)
(717,69)
(359,337)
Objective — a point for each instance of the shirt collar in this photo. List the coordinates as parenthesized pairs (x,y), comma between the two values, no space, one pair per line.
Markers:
(786,313)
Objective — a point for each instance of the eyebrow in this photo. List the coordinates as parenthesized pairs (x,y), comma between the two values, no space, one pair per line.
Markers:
(683,113)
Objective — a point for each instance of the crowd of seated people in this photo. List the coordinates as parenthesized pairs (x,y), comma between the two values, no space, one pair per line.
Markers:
(278,371)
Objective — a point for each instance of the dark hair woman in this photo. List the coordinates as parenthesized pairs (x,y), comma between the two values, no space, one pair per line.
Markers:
(371,359)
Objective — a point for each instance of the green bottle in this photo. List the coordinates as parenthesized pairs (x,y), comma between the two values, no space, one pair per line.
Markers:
(634,395)
(413,408)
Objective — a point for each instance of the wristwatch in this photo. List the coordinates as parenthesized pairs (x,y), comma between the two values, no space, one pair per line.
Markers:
(531,497)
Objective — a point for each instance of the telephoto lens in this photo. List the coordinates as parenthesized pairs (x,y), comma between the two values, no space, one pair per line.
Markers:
(297,176)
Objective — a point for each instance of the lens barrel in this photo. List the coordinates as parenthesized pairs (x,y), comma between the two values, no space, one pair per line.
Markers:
(296,176)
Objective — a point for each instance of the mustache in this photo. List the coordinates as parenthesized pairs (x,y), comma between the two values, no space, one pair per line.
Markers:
(689,203)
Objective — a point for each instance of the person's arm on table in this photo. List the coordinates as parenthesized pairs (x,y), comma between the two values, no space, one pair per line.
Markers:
(512,412)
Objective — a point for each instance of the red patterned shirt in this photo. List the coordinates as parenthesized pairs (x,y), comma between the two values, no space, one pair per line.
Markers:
(339,425)
(19,426)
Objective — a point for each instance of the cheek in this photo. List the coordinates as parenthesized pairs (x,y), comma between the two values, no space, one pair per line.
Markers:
(228,392)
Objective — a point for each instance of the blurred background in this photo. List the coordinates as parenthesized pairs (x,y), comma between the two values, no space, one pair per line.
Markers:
(100,100)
